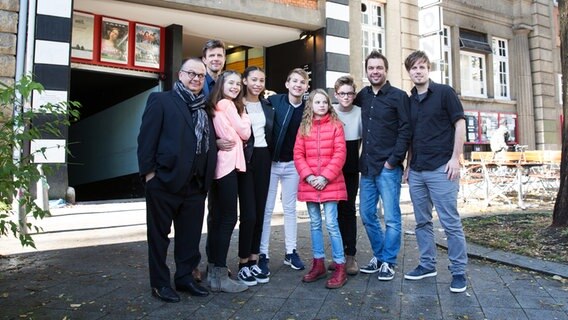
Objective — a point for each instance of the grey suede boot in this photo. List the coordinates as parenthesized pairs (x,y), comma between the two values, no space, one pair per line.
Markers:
(226,284)
(214,283)
(210,267)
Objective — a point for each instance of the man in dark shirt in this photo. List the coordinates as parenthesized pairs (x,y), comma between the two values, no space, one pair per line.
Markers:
(438,134)
(386,135)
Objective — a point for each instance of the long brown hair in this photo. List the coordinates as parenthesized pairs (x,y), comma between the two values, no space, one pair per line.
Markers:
(308,115)
(216,94)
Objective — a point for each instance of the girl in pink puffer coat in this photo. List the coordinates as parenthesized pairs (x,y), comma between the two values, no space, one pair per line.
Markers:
(319,155)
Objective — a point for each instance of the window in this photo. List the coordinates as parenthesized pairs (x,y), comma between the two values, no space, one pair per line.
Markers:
(473,50)
(446,63)
(501,68)
(373,28)
(481,125)
(472,67)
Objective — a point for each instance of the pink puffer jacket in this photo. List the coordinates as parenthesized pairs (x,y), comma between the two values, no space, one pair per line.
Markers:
(322,153)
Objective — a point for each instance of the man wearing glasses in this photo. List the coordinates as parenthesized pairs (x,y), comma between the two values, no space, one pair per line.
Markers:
(176,158)
(386,135)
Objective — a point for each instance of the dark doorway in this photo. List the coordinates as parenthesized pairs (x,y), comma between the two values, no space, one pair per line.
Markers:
(307,54)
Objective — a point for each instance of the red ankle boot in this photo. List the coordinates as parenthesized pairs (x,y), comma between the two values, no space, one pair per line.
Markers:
(338,278)
(317,272)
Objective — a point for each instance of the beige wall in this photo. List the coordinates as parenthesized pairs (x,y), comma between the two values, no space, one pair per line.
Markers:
(539,99)
(8,30)
(401,39)
(499,19)
(356,51)
(542,43)
(307,15)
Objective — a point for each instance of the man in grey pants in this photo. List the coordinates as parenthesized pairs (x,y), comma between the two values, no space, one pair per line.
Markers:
(438,131)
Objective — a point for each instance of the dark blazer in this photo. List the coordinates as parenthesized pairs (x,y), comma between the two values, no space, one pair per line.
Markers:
(167,142)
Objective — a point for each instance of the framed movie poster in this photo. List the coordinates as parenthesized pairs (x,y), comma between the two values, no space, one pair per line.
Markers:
(489,122)
(147,48)
(83,36)
(114,40)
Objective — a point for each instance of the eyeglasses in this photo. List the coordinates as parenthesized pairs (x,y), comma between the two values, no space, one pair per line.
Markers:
(346,94)
(192,75)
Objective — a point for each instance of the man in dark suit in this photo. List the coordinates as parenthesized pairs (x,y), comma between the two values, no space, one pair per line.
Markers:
(176,157)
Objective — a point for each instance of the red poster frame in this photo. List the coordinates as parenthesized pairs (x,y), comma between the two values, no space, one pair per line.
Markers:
(130,63)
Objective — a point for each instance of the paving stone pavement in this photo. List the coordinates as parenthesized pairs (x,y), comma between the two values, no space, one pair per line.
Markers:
(92,264)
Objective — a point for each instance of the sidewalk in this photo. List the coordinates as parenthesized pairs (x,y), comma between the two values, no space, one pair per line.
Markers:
(92,264)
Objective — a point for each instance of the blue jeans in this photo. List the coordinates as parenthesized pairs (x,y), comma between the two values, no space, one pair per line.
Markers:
(386,186)
(432,188)
(330,208)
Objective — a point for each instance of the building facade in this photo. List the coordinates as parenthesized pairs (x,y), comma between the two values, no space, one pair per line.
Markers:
(502,58)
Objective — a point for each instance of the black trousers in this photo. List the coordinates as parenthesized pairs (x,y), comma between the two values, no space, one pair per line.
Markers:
(346,214)
(222,218)
(253,191)
(185,209)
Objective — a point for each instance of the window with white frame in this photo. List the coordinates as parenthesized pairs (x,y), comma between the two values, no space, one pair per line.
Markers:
(446,63)
(372,27)
(472,68)
(501,68)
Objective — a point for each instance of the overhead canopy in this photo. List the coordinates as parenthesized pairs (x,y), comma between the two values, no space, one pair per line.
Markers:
(474,41)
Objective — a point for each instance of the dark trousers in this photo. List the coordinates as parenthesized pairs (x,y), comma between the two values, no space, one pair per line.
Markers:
(253,191)
(222,218)
(346,216)
(185,209)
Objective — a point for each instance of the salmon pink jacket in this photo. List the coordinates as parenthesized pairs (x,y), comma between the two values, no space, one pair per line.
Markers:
(322,153)
(231,126)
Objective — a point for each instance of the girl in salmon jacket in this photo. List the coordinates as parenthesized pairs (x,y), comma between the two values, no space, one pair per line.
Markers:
(319,155)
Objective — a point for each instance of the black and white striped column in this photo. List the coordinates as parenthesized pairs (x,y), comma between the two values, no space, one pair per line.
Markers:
(51,67)
(337,44)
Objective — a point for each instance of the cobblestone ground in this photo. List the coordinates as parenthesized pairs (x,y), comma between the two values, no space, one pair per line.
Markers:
(100,272)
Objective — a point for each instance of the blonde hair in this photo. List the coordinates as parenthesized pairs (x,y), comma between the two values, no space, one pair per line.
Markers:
(308,115)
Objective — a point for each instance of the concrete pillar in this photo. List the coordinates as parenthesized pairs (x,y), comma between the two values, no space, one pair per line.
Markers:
(521,63)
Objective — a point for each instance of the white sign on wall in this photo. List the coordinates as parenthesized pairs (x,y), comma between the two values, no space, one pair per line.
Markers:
(48,96)
(432,45)
(427,3)
(430,20)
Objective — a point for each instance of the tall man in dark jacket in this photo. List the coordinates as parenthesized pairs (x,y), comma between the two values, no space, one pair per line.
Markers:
(176,158)
(386,135)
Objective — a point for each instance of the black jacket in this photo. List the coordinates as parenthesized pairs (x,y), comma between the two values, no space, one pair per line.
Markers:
(167,142)
(283,111)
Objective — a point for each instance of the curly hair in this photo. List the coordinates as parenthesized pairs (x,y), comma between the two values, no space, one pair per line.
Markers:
(308,115)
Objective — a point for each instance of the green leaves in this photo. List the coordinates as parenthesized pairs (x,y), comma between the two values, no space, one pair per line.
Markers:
(17,170)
